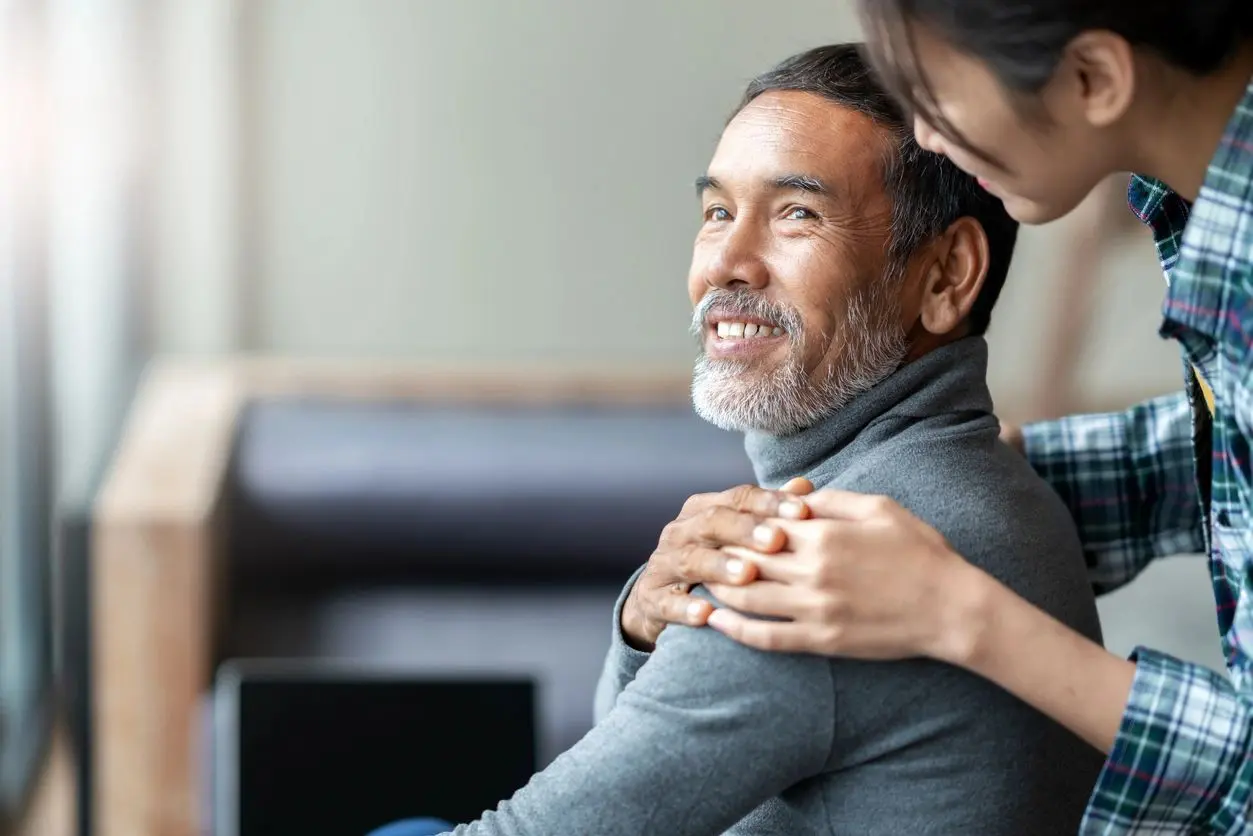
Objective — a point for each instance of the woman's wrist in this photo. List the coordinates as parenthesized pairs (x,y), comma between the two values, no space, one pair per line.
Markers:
(968,600)
(987,629)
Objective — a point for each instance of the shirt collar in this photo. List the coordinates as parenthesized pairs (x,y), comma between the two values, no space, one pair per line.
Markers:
(1197,256)
(950,380)
(1164,212)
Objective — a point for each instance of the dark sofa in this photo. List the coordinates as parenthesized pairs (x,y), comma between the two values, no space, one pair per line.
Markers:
(438,523)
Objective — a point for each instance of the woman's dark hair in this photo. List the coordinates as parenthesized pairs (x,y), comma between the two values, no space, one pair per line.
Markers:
(928,192)
(1023,41)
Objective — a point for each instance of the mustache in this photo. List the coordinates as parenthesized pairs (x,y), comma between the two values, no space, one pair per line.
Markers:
(749,304)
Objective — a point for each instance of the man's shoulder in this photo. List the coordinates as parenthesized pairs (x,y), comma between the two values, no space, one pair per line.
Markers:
(734,673)
(942,474)
(986,501)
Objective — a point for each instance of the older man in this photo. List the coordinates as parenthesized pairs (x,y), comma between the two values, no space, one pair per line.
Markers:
(842,280)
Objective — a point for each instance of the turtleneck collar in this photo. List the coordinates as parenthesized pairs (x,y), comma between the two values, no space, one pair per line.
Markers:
(951,379)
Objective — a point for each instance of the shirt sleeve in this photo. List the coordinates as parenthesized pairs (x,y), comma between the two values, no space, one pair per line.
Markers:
(706,732)
(622,662)
(1129,481)
(1181,762)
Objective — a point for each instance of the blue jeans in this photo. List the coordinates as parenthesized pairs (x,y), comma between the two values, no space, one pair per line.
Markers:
(414,827)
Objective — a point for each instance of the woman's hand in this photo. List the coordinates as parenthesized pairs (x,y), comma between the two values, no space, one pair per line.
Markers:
(1011,434)
(690,552)
(864,578)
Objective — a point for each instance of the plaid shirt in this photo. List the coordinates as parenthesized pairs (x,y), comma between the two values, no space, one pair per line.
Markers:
(1166,478)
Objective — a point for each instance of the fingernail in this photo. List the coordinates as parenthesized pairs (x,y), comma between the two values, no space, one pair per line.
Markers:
(735,567)
(764,535)
(792,510)
(694,610)
(717,619)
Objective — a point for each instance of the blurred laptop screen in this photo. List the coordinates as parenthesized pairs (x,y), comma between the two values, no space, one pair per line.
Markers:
(316,754)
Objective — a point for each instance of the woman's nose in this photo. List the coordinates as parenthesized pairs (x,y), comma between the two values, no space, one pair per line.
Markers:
(927,137)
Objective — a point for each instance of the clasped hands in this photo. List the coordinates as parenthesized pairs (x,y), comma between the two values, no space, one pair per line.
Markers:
(842,574)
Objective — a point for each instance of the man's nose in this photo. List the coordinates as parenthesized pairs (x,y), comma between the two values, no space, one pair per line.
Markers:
(738,263)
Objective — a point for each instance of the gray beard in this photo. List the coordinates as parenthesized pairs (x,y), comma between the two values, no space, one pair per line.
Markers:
(741,396)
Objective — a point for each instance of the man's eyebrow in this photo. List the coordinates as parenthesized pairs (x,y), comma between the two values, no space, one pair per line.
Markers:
(801,182)
(787,182)
(704,183)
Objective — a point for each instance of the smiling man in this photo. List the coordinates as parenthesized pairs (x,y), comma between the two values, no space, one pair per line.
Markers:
(841,279)
(798,306)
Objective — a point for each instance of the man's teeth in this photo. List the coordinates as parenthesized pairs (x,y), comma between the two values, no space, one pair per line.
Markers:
(736,330)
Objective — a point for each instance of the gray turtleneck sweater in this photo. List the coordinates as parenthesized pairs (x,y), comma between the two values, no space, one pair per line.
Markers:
(704,736)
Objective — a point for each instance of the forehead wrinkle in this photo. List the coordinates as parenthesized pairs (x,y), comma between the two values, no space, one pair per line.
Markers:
(811,136)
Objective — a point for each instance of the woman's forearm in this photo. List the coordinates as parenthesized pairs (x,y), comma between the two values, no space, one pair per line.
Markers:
(1003,638)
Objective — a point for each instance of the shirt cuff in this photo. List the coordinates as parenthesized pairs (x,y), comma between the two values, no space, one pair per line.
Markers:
(1181,761)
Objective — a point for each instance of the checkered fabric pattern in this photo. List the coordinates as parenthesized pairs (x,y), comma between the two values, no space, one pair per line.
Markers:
(1165,478)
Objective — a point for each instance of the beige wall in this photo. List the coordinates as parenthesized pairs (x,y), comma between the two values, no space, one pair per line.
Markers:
(494,180)
(506,181)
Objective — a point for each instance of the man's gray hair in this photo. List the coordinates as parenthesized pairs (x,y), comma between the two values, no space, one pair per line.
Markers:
(928,192)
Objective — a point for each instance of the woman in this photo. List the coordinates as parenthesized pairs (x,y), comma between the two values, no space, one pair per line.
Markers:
(1043,100)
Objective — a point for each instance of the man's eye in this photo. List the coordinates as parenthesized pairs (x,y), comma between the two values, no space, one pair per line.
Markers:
(717,213)
(800,213)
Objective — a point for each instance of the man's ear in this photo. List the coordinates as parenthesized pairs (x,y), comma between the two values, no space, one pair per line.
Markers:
(955,276)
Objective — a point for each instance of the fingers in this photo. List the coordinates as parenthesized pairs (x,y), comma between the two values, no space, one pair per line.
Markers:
(846,505)
(1011,434)
(784,568)
(766,598)
(700,564)
(674,607)
(750,499)
(800,486)
(768,635)
(763,503)
(721,526)
(813,539)
(648,611)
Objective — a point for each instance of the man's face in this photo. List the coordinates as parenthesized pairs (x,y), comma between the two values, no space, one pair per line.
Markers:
(794,313)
